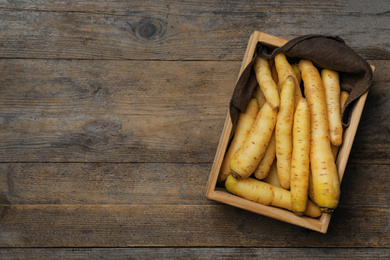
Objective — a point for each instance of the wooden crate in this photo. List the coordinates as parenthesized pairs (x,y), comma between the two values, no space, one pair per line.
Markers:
(220,194)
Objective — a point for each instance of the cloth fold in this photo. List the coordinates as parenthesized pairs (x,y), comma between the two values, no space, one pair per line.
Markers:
(326,52)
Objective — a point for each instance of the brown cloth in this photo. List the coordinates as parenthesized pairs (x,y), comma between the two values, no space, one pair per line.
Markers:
(326,52)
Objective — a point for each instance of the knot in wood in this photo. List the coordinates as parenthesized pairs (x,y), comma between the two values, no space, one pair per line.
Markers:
(151,29)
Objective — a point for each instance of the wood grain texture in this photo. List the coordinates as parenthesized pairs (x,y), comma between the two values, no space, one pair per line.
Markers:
(184,225)
(372,141)
(150,184)
(177,31)
(97,183)
(118,111)
(364,185)
(133,111)
(195,253)
(111,114)
(234,6)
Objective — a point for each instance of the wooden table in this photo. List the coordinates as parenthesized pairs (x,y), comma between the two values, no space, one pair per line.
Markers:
(111,113)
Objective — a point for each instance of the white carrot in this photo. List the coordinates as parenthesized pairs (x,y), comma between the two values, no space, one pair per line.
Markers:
(331,81)
(246,159)
(264,166)
(326,184)
(245,122)
(266,194)
(266,83)
(283,132)
(300,164)
(284,69)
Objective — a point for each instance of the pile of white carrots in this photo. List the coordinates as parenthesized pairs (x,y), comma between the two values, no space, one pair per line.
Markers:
(284,146)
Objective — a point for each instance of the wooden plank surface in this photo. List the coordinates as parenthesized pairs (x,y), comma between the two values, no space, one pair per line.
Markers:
(187,7)
(111,114)
(127,30)
(150,184)
(146,200)
(139,111)
(103,183)
(122,111)
(198,253)
(182,225)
